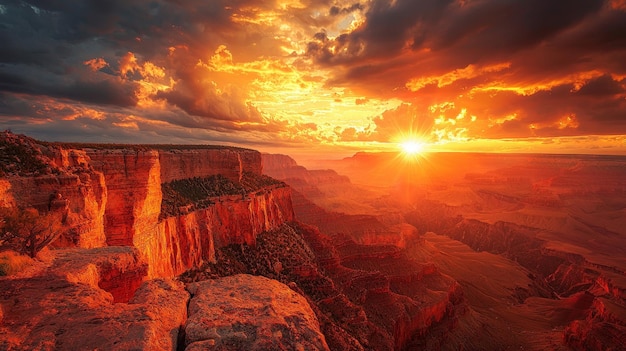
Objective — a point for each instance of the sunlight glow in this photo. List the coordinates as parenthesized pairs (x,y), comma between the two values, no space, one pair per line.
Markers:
(412,147)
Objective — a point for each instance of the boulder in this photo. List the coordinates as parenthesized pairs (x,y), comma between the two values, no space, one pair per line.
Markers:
(72,305)
(245,312)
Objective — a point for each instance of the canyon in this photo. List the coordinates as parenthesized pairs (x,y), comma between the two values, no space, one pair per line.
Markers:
(112,271)
(191,247)
(535,241)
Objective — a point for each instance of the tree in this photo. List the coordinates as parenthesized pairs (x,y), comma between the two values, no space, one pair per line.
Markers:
(26,231)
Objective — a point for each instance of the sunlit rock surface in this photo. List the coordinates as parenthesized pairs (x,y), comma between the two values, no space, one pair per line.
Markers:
(53,179)
(198,162)
(244,312)
(185,241)
(72,305)
(111,195)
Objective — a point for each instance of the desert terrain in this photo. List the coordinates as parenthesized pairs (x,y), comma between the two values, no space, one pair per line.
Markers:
(537,242)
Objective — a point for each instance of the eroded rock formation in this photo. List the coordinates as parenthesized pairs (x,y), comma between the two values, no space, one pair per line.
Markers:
(592,289)
(70,305)
(252,313)
(111,201)
(111,195)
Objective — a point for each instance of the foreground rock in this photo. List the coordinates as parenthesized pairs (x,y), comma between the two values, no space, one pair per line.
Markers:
(66,307)
(245,312)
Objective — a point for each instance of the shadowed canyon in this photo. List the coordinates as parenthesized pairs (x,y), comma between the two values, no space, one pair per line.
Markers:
(178,247)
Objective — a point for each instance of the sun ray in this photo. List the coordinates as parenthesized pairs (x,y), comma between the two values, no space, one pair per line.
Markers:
(412,147)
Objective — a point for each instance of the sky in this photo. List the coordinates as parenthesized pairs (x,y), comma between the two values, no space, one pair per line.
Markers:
(319,76)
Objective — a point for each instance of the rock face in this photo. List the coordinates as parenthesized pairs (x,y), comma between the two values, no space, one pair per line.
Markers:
(53,179)
(68,307)
(81,198)
(229,162)
(603,329)
(112,196)
(304,181)
(284,167)
(252,313)
(174,244)
(186,241)
(116,270)
(133,180)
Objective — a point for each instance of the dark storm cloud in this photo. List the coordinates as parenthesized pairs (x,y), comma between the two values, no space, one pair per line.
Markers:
(384,33)
(438,36)
(79,19)
(42,31)
(45,45)
(456,34)
(106,91)
(560,59)
(602,86)
(605,32)
(504,27)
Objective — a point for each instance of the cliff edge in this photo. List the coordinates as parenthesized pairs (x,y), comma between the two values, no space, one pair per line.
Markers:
(127,195)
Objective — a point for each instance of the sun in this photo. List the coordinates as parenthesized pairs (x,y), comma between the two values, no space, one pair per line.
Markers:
(412,147)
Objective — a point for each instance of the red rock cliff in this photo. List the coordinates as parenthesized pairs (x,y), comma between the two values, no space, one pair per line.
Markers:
(186,241)
(181,164)
(133,180)
(175,244)
(67,186)
(112,197)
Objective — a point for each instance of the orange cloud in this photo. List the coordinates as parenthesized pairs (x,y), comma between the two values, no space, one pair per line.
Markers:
(96,64)
(128,64)
(469,72)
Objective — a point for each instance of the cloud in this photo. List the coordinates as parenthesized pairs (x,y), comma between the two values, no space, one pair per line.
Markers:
(604,85)
(96,64)
(314,71)
(406,119)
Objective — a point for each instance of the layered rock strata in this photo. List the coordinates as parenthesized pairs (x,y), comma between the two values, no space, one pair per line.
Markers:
(365,297)
(111,195)
(188,240)
(557,274)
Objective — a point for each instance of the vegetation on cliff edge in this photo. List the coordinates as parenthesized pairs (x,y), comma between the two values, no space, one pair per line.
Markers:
(26,231)
(21,155)
(185,195)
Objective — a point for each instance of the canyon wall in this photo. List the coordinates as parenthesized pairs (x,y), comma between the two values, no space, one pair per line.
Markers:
(183,242)
(174,244)
(284,167)
(73,190)
(229,162)
(133,180)
(112,196)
